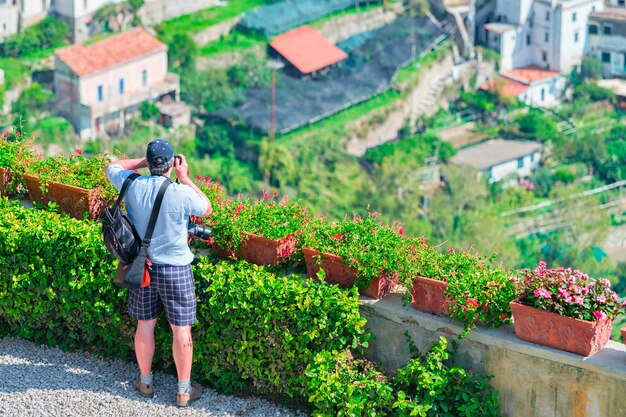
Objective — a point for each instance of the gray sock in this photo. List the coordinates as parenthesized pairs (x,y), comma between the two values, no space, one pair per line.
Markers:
(146,379)
(184,387)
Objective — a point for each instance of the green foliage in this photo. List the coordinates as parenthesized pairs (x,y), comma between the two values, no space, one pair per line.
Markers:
(48,33)
(252,72)
(56,283)
(593,92)
(537,126)
(214,139)
(32,100)
(591,68)
(74,169)
(182,51)
(411,148)
(15,151)
(262,330)
(206,91)
(56,130)
(427,387)
(149,111)
(341,386)
(479,100)
(136,4)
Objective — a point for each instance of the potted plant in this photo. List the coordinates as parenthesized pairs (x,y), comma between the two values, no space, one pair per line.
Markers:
(15,153)
(565,309)
(357,251)
(78,184)
(458,284)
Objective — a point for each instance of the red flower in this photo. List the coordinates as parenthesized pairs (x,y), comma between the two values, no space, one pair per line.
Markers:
(266,195)
(471,302)
(217,181)
(275,193)
(338,236)
(198,178)
(78,152)
(211,240)
(18,134)
(450,250)
(401,231)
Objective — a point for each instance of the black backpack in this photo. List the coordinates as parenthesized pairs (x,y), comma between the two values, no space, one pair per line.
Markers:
(120,236)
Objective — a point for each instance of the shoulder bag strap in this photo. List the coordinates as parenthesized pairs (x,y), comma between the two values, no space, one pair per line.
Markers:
(155,212)
(125,187)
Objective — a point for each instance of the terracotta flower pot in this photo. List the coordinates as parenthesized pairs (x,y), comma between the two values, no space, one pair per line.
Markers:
(223,253)
(263,251)
(429,295)
(5,178)
(342,275)
(34,191)
(560,332)
(623,332)
(75,201)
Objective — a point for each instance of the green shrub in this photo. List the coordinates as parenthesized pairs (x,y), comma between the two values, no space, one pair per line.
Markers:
(45,34)
(56,283)
(262,330)
(342,386)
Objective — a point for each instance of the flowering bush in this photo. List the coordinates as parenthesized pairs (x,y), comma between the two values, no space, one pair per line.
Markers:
(74,169)
(569,293)
(364,243)
(15,151)
(481,290)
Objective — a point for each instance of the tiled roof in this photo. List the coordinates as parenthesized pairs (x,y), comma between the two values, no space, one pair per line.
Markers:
(509,87)
(307,50)
(496,27)
(611,13)
(115,50)
(529,75)
(494,152)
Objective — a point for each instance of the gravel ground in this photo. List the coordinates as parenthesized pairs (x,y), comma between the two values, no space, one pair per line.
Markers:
(39,381)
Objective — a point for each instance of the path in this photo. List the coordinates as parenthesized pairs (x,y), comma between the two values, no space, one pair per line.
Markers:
(40,382)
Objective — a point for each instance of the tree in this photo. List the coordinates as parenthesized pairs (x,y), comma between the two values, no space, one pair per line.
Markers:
(252,72)
(537,126)
(182,51)
(591,68)
(206,90)
(214,139)
(32,101)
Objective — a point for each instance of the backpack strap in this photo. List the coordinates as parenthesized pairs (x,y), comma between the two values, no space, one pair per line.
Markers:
(125,188)
(155,212)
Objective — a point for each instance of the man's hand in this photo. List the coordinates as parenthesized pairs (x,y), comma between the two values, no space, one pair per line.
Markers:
(182,169)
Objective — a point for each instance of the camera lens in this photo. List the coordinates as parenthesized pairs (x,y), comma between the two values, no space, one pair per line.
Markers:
(199,231)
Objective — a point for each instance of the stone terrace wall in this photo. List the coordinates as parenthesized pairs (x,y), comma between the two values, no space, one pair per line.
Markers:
(532,380)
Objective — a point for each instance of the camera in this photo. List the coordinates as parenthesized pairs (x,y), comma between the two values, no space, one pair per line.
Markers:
(199,231)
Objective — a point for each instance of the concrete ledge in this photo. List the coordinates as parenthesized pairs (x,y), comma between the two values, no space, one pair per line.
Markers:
(532,380)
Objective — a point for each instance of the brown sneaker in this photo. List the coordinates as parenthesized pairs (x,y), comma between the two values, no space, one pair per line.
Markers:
(183,400)
(145,390)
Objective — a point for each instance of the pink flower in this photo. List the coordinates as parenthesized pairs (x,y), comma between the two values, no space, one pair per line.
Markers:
(266,195)
(450,250)
(471,302)
(600,315)
(375,214)
(601,299)
(605,282)
(542,293)
(401,231)
(579,300)
(78,152)
(338,236)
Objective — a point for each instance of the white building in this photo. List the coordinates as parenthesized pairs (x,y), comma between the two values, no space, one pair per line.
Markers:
(18,14)
(607,40)
(548,34)
(499,158)
(531,85)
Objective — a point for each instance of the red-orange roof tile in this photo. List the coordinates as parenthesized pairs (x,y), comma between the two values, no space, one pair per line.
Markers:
(307,50)
(529,75)
(509,87)
(117,49)
(610,13)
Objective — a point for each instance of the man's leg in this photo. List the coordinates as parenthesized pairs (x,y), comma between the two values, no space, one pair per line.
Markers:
(144,345)
(182,347)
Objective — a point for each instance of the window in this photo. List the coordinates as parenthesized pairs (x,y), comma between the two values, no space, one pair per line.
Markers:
(606,57)
(621,3)
(527,39)
(574,17)
(121,86)
(607,30)
(543,94)
(100,93)
(144,78)
(576,37)
(593,30)
(544,56)
(547,37)
(520,163)
(593,8)
(624,62)
(548,16)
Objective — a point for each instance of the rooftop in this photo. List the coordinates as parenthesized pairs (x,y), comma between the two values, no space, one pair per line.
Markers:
(494,152)
(611,13)
(509,87)
(529,75)
(115,50)
(616,85)
(307,50)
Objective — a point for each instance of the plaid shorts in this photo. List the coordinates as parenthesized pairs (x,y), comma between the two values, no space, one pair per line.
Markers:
(171,288)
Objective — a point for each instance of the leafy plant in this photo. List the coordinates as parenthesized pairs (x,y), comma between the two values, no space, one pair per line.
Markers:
(74,169)
(15,152)
(569,293)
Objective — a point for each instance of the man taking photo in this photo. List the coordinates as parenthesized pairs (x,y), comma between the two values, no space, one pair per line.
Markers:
(171,279)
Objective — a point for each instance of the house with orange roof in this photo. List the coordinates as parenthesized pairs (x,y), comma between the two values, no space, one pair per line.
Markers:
(531,85)
(97,87)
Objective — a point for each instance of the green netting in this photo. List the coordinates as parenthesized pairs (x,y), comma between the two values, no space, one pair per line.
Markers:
(373,60)
(280,17)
